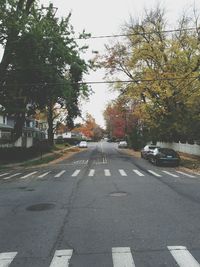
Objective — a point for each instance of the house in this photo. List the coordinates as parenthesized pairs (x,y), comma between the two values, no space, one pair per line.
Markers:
(5,130)
(31,134)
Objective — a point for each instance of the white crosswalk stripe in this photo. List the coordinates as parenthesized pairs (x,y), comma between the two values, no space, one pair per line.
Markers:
(122,172)
(171,174)
(122,257)
(59,174)
(154,173)
(107,172)
(183,257)
(43,175)
(92,172)
(138,173)
(11,176)
(186,174)
(6,258)
(3,174)
(61,258)
(76,173)
(28,175)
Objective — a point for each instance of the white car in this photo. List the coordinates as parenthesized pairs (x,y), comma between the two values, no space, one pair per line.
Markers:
(83,144)
(122,144)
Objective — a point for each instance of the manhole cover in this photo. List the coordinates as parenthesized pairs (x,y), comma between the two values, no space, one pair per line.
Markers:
(30,190)
(41,207)
(118,194)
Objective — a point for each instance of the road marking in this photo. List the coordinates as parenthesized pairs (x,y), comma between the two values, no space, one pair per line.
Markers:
(105,160)
(43,175)
(3,174)
(186,174)
(91,173)
(122,172)
(27,175)
(7,258)
(138,173)
(122,257)
(183,257)
(11,176)
(154,173)
(107,172)
(171,174)
(75,173)
(61,258)
(59,174)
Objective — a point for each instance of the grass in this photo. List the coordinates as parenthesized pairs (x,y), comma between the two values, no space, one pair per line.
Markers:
(41,161)
(190,161)
(58,151)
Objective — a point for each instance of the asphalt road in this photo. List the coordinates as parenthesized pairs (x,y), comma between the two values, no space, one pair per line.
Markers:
(100,208)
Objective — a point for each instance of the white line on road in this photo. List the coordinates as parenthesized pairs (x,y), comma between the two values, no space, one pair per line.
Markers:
(28,175)
(74,174)
(122,172)
(183,257)
(59,174)
(107,172)
(61,258)
(186,174)
(3,174)
(138,173)
(7,258)
(11,176)
(43,175)
(91,173)
(171,174)
(154,173)
(122,257)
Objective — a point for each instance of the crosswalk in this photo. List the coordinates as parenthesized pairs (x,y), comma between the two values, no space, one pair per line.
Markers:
(120,257)
(92,172)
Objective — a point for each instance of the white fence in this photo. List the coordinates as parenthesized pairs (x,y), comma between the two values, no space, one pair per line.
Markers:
(185,148)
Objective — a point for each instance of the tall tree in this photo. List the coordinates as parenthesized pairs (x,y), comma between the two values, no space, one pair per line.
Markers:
(163,71)
(45,66)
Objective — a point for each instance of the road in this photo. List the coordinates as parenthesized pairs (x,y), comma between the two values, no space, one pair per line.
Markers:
(100,208)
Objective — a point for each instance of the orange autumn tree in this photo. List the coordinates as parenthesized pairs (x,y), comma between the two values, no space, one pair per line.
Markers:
(90,129)
(115,120)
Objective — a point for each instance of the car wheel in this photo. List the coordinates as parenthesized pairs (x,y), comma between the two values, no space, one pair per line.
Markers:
(142,156)
(154,161)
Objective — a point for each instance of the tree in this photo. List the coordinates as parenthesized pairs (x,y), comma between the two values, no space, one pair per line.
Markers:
(90,128)
(163,69)
(41,65)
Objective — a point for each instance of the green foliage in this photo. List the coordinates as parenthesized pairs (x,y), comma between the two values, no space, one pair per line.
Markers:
(164,70)
(41,65)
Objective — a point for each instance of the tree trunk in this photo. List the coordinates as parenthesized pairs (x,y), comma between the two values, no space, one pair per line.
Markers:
(18,128)
(50,125)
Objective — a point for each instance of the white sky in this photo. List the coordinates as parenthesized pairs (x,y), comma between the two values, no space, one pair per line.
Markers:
(105,17)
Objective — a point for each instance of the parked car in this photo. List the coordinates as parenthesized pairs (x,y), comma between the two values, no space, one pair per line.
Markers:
(166,156)
(83,144)
(147,150)
(122,144)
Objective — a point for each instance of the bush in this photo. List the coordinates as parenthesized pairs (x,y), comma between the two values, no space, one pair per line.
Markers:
(18,154)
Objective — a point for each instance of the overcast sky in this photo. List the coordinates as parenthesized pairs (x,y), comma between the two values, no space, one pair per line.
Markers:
(106,17)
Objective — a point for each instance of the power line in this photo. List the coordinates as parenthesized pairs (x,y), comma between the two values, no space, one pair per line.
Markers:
(136,34)
(109,82)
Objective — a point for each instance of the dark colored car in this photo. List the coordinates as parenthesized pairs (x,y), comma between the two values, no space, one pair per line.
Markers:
(147,150)
(166,156)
